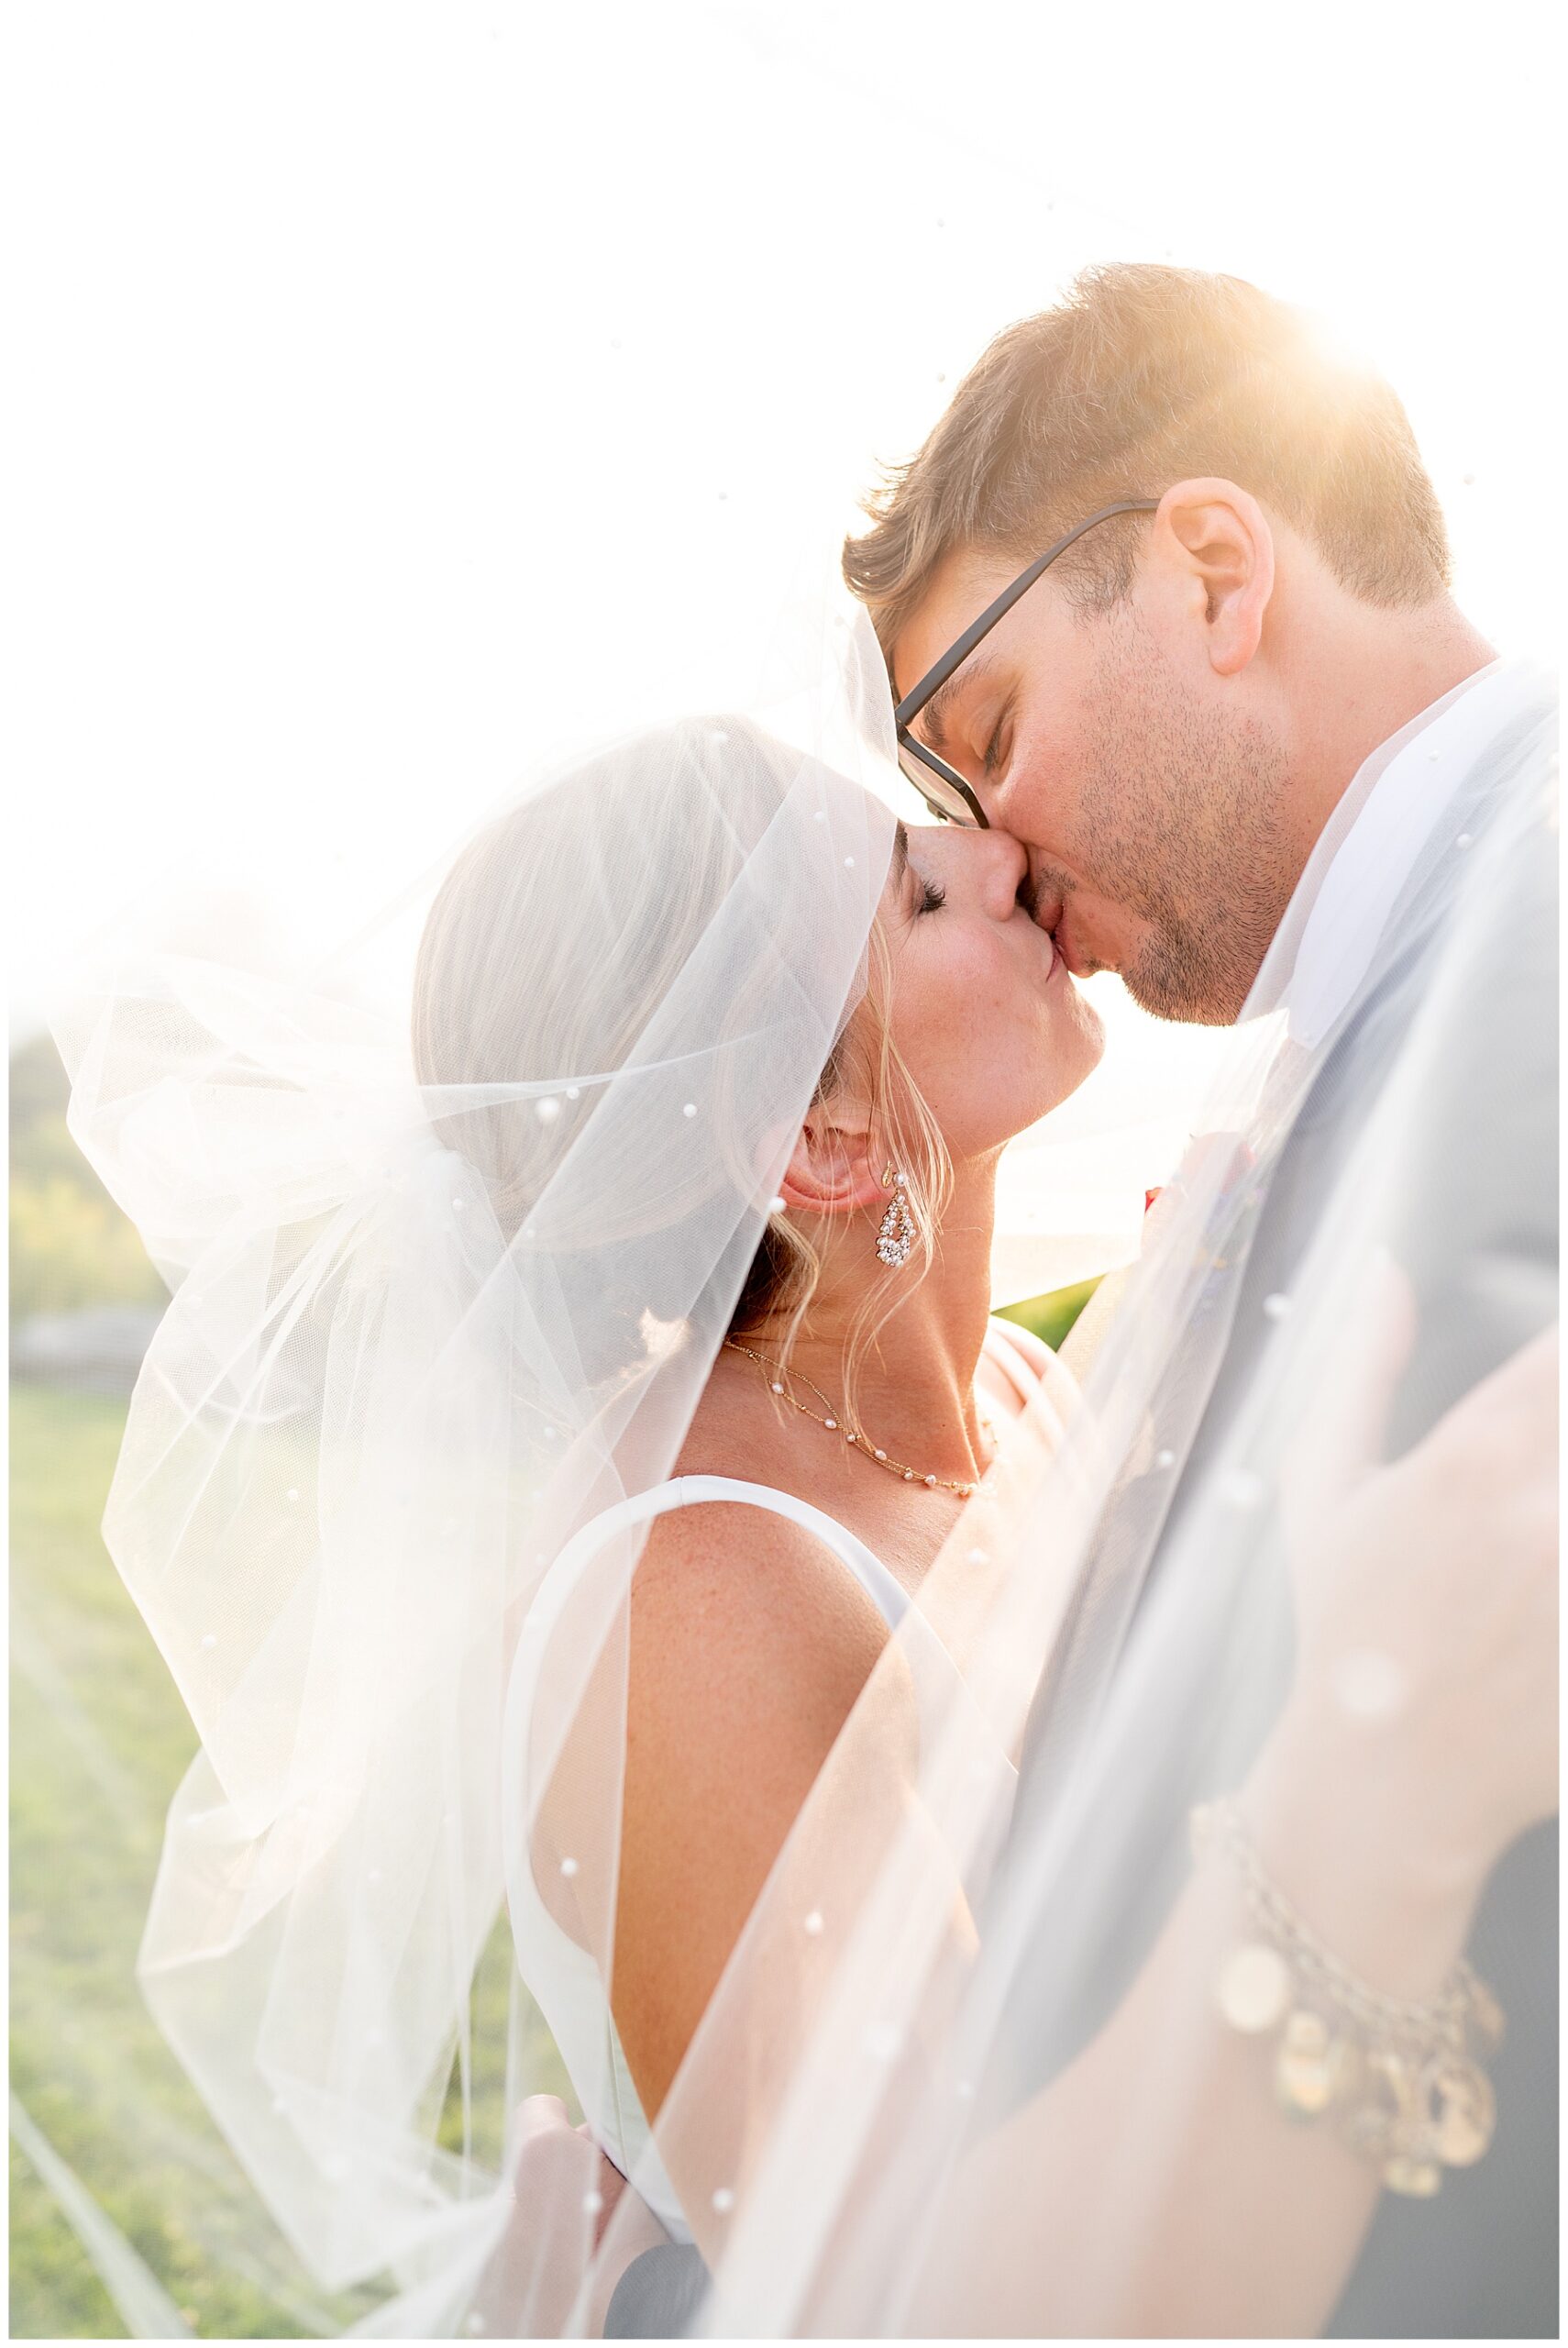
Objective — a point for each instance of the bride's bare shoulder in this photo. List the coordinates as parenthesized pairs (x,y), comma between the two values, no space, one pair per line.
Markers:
(1030,1378)
(750,1644)
(1032,1351)
(728,1590)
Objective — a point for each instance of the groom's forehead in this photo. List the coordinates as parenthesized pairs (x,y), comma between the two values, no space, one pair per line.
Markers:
(935,621)
(960,588)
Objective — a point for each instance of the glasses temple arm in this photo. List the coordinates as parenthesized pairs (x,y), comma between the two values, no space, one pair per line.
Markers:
(956,654)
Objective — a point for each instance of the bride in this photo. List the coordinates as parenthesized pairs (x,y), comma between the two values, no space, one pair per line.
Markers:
(563,1432)
(860,1387)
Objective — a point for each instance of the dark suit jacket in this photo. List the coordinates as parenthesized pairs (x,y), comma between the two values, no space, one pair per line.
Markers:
(1479,2259)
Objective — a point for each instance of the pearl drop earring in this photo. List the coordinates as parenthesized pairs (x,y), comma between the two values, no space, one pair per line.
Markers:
(895,1235)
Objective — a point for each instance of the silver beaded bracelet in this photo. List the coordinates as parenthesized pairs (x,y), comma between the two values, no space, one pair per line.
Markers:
(1399,2077)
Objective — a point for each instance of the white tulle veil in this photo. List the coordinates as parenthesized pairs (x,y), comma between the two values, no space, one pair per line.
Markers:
(450,1260)
(454,1224)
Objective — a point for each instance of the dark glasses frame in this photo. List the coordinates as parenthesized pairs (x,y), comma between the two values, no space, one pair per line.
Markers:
(920,765)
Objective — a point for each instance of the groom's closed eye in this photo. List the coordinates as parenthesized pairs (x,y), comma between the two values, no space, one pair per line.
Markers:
(999,749)
(932,721)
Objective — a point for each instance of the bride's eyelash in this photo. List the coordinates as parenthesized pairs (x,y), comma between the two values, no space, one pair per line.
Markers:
(932,897)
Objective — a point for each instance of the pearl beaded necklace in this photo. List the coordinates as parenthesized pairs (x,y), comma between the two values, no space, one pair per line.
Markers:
(852,1435)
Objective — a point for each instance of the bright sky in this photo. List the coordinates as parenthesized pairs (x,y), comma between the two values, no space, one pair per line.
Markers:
(401,386)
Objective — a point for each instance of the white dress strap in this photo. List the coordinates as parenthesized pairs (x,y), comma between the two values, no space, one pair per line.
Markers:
(563,1976)
(893,1599)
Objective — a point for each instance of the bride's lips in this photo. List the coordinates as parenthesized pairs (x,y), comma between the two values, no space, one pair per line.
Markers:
(1046,914)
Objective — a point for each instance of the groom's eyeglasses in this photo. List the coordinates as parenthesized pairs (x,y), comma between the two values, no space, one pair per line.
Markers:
(942,787)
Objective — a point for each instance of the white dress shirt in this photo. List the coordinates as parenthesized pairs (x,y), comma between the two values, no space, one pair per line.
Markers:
(1323,948)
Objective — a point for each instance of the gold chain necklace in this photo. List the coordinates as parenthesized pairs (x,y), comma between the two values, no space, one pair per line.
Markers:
(855,1435)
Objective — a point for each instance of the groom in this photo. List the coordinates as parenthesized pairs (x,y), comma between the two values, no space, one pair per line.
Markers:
(1166,594)
(1193,716)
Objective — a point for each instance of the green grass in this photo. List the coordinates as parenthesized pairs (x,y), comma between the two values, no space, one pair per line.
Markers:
(99,1741)
(1052,1316)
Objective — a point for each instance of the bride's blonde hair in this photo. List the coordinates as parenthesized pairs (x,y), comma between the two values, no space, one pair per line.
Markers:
(787,1264)
(495,1004)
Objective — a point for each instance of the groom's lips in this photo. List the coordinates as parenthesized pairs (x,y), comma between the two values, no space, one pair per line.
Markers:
(1046,914)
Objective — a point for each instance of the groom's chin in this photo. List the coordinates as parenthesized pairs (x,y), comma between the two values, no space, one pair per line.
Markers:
(1174,978)
(1167,996)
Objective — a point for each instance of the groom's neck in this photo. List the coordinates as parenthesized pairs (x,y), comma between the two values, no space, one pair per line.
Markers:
(1357,673)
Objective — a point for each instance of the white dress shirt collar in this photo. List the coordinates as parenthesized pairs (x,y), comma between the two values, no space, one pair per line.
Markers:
(1324,946)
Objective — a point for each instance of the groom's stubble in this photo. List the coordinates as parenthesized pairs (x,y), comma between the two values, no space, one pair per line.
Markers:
(1182,814)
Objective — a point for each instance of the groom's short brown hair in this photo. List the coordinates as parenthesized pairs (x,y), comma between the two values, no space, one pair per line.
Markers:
(1145,376)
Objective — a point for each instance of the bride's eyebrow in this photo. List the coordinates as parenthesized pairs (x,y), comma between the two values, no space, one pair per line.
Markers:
(901,850)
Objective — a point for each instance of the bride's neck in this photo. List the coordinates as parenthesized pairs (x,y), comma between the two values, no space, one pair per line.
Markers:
(914,1385)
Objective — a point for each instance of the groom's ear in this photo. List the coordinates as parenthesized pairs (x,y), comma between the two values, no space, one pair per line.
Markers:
(1218,553)
(830,1169)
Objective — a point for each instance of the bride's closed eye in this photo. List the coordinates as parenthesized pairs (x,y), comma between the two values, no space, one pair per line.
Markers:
(927,896)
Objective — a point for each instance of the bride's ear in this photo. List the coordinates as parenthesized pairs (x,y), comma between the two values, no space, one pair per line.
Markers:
(830,1170)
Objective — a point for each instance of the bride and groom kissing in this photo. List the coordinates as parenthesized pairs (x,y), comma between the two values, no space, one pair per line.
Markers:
(1164,598)
(1241,1614)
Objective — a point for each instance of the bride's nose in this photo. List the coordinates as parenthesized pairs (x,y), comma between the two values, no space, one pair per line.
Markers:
(1001,866)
